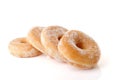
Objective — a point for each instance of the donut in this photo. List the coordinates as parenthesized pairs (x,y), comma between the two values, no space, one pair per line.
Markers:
(50,37)
(79,49)
(21,48)
(34,38)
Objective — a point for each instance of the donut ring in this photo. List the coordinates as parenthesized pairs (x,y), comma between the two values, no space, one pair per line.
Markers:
(21,48)
(50,37)
(34,38)
(79,49)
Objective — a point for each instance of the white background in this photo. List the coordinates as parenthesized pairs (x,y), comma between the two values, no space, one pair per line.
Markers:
(100,19)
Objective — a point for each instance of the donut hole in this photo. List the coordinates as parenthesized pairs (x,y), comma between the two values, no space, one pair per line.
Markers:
(59,37)
(80,45)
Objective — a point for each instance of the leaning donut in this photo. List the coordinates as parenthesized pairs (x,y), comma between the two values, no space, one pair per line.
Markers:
(21,48)
(79,49)
(50,38)
(34,38)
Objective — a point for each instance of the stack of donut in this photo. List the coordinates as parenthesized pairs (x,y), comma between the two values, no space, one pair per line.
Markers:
(70,46)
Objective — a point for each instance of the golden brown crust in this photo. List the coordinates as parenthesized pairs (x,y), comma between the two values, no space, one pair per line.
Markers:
(21,48)
(79,49)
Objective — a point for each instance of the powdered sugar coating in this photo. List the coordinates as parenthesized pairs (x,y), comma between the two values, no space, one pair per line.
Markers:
(21,48)
(50,37)
(79,49)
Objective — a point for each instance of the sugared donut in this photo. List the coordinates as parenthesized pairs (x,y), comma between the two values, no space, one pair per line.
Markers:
(50,38)
(34,38)
(79,49)
(21,48)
